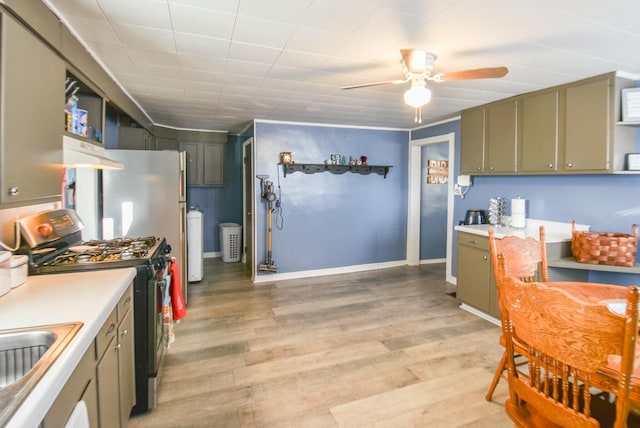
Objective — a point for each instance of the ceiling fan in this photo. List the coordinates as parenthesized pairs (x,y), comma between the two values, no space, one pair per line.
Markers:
(418,65)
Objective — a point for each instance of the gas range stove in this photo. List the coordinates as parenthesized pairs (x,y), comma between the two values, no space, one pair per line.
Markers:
(54,245)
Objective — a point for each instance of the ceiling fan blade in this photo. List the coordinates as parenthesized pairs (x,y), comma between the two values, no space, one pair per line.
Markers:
(414,60)
(479,73)
(365,85)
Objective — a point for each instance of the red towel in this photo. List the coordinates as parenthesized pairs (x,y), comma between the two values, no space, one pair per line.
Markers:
(177,298)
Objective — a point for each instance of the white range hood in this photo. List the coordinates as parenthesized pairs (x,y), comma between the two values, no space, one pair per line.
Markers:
(77,153)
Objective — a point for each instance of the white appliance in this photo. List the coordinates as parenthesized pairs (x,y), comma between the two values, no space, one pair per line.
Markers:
(195,245)
(148,198)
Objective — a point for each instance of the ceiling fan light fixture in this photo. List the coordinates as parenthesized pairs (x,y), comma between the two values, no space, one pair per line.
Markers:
(417,96)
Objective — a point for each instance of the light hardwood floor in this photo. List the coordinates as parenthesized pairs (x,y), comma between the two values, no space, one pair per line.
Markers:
(384,348)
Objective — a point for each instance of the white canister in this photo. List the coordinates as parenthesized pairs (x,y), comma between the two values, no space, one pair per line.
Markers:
(518,213)
(14,270)
(5,278)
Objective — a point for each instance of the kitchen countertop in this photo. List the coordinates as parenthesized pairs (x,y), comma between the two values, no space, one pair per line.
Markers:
(88,297)
(554,231)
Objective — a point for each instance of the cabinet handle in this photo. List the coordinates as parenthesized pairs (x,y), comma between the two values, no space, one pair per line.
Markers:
(550,165)
(118,346)
(14,191)
(569,165)
(127,301)
(479,168)
(109,332)
(490,168)
(472,242)
(484,257)
(124,332)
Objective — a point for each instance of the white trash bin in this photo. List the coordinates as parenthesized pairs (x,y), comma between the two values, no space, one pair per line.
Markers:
(195,244)
(230,239)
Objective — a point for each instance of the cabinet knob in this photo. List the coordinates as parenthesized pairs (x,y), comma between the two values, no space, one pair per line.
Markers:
(14,191)
(569,165)
(490,168)
(479,168)
(124,332)
(550,165)
(484,257)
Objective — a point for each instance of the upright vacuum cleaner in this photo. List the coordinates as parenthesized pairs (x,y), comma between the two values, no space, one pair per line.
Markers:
(267,193)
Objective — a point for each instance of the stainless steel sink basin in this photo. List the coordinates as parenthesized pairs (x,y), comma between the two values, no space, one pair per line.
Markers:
(25,356)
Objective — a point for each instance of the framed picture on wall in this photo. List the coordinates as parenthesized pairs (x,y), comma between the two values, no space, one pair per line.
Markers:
(631,105)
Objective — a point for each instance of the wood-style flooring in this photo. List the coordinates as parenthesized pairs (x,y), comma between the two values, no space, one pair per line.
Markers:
(384,348)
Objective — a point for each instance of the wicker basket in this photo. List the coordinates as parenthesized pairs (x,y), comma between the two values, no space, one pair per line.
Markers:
(605,248)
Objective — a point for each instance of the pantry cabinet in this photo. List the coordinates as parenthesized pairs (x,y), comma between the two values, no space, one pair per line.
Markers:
(205,163)
(31,119)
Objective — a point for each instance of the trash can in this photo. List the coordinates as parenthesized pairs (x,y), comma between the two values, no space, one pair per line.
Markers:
(230,238)
(195,240)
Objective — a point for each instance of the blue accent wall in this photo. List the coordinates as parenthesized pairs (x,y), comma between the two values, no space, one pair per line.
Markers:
(331,221)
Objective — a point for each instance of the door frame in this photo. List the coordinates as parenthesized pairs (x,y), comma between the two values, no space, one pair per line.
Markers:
(414,199)
(247,187)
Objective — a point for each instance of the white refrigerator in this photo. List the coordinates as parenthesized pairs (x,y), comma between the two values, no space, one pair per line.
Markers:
(148,198)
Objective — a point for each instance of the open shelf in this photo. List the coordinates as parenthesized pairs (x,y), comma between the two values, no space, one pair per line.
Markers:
(313,168)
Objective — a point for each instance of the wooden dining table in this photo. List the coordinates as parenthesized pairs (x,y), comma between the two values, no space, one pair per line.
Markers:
(596,293)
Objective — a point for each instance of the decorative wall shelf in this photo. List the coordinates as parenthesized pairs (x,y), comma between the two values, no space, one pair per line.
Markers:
(313,168)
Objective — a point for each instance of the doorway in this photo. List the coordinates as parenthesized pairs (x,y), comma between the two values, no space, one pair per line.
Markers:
(414,199)
(248,207)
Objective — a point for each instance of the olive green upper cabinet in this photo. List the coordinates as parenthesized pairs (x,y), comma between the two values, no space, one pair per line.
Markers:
(130,138)
(538,139)
(593,143)
(31,118)
(501,138)
(488,143)
(472,141)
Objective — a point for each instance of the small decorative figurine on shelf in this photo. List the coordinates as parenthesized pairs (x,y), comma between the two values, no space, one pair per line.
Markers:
(363,160)
(286,158)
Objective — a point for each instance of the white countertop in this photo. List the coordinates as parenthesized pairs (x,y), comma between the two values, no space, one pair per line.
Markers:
(554,231)
(88,297)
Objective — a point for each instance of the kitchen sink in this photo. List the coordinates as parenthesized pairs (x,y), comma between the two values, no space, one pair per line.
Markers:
(25,356)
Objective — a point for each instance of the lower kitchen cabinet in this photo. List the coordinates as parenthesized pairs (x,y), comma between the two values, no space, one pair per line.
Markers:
(81,386)
(115,355)
(476,286)
(106,373)
(105,376)
(126,364)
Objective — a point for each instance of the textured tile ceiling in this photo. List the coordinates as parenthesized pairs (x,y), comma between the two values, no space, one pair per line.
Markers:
(218,64)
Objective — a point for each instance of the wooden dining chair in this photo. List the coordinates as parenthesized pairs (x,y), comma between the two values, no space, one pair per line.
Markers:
(525,259)
(567,340)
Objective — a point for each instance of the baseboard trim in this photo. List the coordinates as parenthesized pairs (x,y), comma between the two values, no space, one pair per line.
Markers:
(432,261)
(480,314)
(212,255)
(322,272)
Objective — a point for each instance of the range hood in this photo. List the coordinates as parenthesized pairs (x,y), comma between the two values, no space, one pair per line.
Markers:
(77,153)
